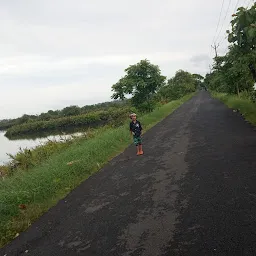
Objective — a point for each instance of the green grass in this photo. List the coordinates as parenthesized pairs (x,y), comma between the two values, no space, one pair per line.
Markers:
(245,106)
(43,186)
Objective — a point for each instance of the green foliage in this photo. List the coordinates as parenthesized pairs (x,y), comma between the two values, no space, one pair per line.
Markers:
(235,72)
(66,112)
(181,84)
(42,186)
(142,81)
(93,119)
(71,111)
(243,33)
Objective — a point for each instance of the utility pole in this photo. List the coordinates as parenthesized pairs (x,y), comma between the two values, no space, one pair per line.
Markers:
(215,47)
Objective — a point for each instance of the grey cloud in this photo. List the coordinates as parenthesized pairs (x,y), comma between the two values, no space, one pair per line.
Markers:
(48,47)
(201,60)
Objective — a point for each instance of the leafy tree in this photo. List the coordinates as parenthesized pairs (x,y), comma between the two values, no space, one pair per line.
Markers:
(243,34)
(45,116)
(199,80)
(235,71)
(71,111)
(141,81)
(181,84)
(23,119)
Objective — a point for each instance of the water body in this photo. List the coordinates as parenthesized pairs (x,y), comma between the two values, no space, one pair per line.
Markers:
(13,146)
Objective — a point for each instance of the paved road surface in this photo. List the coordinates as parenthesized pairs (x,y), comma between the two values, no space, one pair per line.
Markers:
(192,193)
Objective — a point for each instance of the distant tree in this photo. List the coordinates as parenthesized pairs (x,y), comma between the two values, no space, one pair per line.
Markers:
(53,112)
(71,111)
(23,119)
(141,81)
(181,84)
(199,81)
(45,116)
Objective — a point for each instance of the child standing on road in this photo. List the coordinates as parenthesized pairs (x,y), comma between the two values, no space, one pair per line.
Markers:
(136,132)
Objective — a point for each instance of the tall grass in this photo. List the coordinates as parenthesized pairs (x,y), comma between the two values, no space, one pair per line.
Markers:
(41,187)
(244,105)
(25,159)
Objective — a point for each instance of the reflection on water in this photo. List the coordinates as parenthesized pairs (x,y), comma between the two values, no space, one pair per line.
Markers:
(13,146)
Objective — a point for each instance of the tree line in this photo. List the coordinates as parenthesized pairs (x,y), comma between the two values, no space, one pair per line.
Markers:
(63,113)
(93,119)
(141,89)
(235,72)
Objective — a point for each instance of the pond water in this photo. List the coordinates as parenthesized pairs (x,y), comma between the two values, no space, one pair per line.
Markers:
(13,146)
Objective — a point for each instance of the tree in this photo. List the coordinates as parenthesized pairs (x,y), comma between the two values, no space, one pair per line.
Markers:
(70,111)
(243,34)
(235,71)
(23,119)
(141,81)
(199,80)
(181,84)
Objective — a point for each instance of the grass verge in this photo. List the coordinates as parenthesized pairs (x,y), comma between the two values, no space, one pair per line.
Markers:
(25,196)
(246,107)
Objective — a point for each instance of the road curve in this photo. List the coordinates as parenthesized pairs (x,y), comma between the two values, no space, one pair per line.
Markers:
(192,193)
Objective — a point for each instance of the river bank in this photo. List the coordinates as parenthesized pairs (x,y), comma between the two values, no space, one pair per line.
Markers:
(13,146)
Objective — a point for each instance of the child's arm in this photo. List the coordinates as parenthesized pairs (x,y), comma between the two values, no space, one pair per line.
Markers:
(131,131)
(141,129)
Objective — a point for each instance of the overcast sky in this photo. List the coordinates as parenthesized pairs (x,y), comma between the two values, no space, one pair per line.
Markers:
(55,53)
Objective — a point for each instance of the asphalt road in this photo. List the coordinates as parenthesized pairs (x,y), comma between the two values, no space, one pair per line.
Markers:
(192,193)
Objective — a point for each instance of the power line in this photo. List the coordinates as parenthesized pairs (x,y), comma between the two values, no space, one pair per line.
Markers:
(223,20)
(223,39)
(226,36)
(216,45)
(237,3)
(250,3)
(244,4)
(218,21)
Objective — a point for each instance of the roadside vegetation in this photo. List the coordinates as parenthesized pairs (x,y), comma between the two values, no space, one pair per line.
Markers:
(233,78)
(246,107)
